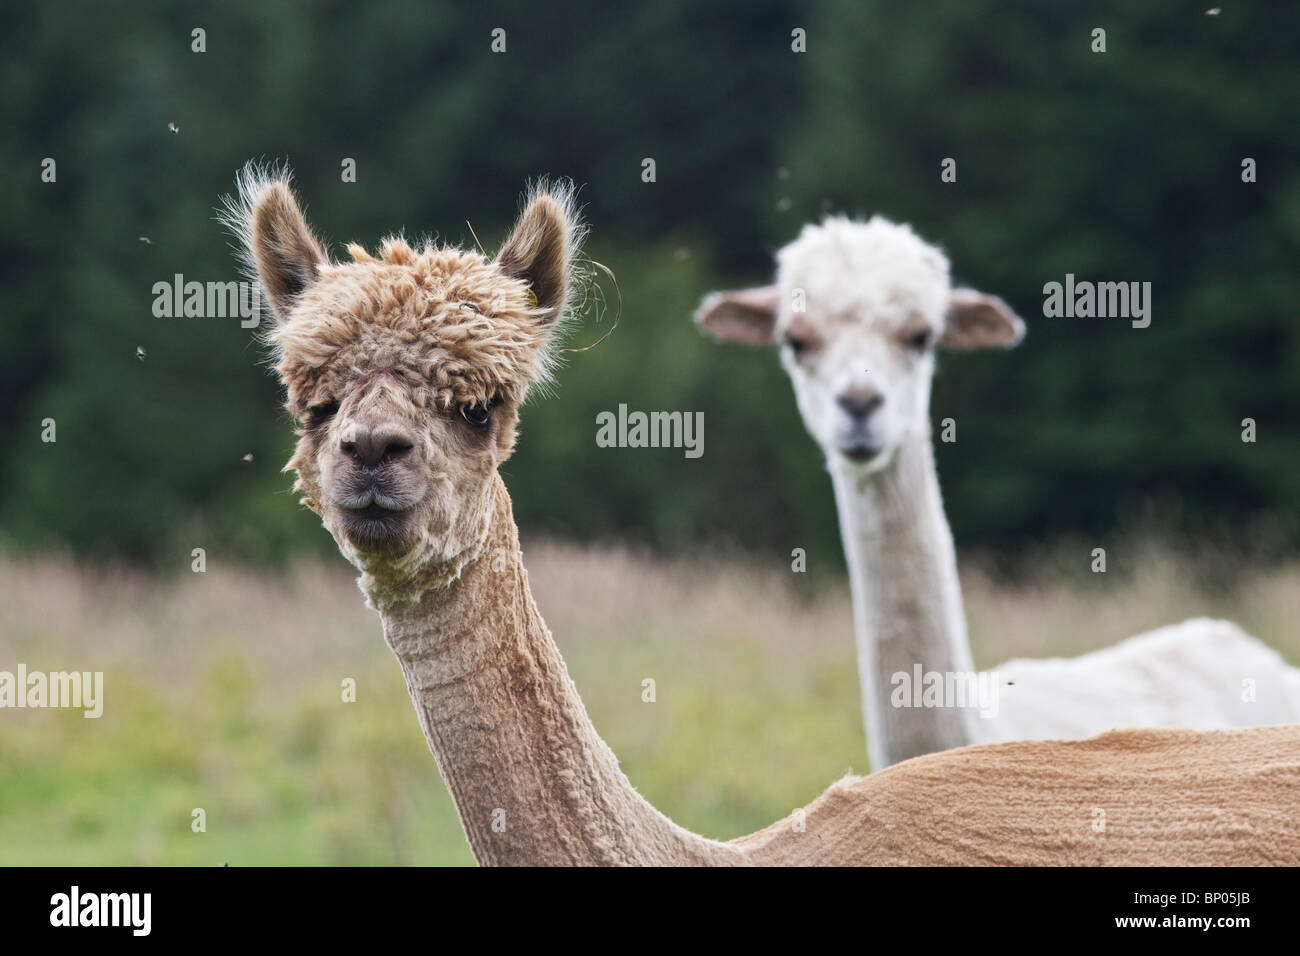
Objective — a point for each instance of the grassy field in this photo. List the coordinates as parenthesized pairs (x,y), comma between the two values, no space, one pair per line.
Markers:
(222,691)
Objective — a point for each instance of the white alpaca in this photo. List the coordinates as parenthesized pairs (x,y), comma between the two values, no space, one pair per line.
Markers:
(857,310)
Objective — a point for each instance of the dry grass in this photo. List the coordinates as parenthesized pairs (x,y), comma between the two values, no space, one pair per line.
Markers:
(223,692)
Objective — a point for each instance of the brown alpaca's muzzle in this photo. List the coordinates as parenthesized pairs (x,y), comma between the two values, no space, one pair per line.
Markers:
(375,482)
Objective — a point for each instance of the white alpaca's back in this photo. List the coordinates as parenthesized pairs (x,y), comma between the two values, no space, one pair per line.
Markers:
(1201,674)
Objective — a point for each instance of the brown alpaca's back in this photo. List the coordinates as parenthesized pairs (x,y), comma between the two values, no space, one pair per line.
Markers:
(1128,797)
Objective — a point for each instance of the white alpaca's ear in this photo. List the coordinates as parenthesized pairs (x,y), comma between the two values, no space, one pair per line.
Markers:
(543,245)
(744,316)
(979,321)
(279,247)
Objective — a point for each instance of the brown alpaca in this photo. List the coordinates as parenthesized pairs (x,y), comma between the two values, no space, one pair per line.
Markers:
(406,372)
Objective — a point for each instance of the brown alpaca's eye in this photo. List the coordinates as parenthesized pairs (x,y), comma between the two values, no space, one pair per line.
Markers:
(919,341)
(318,415)
(477,414)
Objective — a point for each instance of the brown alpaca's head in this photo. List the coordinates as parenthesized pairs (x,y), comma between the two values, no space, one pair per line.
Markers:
(405,370)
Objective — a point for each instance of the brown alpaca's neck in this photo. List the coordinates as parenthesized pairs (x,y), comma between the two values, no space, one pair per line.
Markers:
(533,782)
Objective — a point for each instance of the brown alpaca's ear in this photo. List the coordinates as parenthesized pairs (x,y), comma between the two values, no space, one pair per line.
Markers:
(979,321)
(543,245)
(745,316)
(279,247)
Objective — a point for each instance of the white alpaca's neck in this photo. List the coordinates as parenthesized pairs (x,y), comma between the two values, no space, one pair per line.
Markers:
(533,782)
(907,604)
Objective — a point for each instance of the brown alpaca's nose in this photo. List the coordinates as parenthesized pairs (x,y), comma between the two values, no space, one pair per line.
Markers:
(370,445)
(860,402)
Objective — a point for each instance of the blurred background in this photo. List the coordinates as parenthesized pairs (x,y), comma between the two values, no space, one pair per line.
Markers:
(222,687)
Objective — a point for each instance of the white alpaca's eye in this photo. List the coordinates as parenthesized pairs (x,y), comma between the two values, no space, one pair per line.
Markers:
(919,341)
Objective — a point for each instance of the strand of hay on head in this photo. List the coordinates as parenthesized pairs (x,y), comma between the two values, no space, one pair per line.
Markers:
(592,299)
(476,242)
(592,294)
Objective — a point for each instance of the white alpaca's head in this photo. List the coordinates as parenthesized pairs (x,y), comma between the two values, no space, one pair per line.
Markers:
(857,310)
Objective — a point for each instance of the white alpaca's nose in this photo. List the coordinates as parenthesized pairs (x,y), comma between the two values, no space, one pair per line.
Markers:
(859,403)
